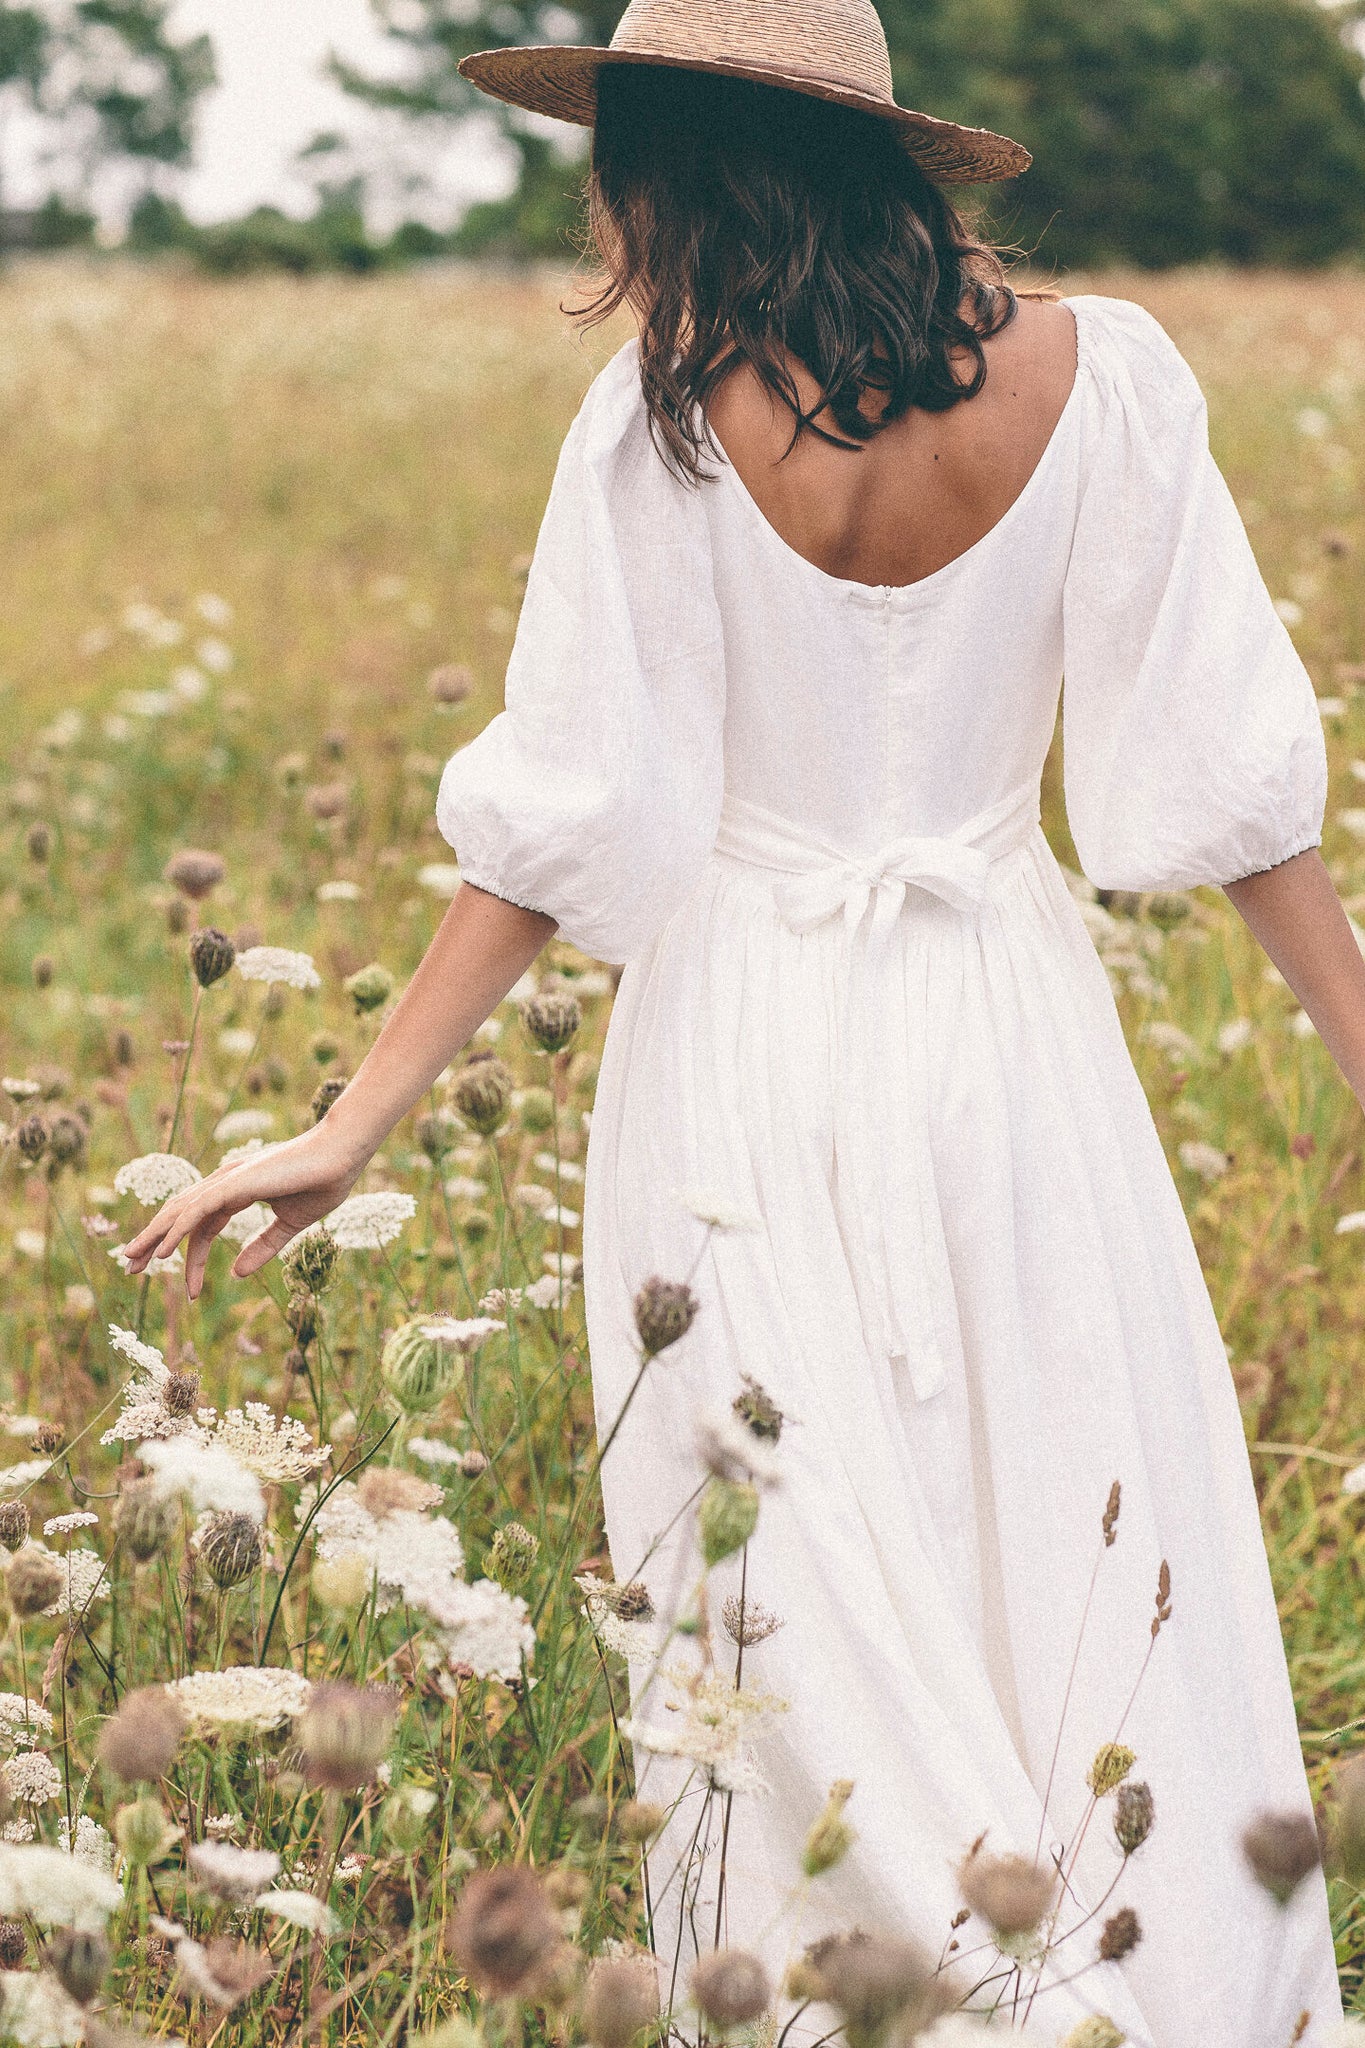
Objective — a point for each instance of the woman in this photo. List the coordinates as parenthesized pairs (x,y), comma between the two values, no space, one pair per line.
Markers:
(818,549)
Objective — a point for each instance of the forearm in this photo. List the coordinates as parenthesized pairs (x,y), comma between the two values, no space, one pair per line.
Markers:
(1296,914)
(481,948)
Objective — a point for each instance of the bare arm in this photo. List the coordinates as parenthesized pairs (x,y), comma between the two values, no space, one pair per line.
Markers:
(1296,914)
(482,947)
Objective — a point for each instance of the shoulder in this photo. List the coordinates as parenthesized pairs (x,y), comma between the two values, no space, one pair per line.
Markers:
(1121,344)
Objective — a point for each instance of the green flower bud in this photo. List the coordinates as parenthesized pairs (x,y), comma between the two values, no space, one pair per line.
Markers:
(831,1837)
(309,1261)
(1113,1762)
(536,1111)
(727,1518)
(481,1092)
(144,1832)
(418,1371)
(369,988)
(512,1555)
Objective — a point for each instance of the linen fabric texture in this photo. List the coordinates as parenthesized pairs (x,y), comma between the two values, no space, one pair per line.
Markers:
(860,1006)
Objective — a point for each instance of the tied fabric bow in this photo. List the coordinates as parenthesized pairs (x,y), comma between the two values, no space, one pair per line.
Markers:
(888,1196)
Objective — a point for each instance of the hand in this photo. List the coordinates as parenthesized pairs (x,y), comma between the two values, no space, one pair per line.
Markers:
(301,1180)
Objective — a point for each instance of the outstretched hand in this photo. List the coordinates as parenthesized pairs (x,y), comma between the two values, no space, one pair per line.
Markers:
(301,1181)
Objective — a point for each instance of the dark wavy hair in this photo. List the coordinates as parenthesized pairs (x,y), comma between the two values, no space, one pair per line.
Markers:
(741,221)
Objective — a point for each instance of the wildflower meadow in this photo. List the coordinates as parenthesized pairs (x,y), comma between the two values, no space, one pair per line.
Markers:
(315,1723)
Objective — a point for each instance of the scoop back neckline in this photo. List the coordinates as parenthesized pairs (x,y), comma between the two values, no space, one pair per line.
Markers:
(885,592)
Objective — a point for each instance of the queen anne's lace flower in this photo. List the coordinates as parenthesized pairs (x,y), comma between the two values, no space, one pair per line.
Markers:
(62,1525)
(38,2013)
(710,1717)
(244,1696)
(233,1874)
(22,1719)
(462,1333)
(84,1571)
(432,1451)
(56,1889)
(278,964)
(14,1478)
(366,1223)
(300,1909)
(31,1777)
(94,1844)
(241,1124)
(482,1625)
(155,1177)
(207,1472)
(274,1450)
(145,1357)
(414,1556)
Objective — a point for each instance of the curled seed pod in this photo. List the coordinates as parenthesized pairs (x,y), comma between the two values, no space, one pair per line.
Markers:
(1282,1849)
(194,872)
(482,1092)
(1010,1892)
(310,1260)
(48,1438)
(143,1521)
(38,842)
(231,1548)
(502,1929)
(80,1962)
(1120,1935)
(14,1524)
(180,1395)
(325,1094)
(67,1138)
(35,1580)
(664,1311)
(369,988)
(13,1945)
(1134,1813)
(551,1019)
(30,1138)
(418,1371)
(43,969)
(139,1742)
(730,1987)
(211,955)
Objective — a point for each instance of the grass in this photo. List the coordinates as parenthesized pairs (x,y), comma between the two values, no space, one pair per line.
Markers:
(352,474)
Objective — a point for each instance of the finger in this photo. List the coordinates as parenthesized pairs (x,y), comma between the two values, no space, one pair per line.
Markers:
(262,1249)
(197,1249)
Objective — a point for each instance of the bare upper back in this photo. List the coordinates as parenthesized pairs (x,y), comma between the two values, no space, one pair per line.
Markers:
(925,489)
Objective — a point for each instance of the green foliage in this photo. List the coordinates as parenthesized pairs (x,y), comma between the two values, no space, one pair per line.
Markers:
(1162,130)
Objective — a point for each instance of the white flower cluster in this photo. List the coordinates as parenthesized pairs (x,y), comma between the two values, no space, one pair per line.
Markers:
(83,1572)
(640,1639)
(31,1777)
(231,1873)
(207,1473)
(142,1415)
(56,1889)
(709,1719)
(241,1124)
(155,1177)
(300,1909)
(62,1525)
(272,1449)
(432,1451)
(38,2013)
(242,1696)
(14,1478)
(278,964)
(21,1720)
(462,1333)
(366,1223)
(93,1844)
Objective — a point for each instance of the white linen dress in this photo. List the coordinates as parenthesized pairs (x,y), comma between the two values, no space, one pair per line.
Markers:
(860,1004)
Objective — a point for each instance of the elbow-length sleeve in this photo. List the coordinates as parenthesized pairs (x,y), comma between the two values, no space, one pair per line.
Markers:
(594,795)
(1192,745)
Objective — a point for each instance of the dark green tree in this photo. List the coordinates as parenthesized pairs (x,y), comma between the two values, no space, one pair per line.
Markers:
(1162,130)
(127,88)
(24,53)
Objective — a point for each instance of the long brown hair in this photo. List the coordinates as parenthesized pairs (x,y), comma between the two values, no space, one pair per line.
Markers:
(741,221)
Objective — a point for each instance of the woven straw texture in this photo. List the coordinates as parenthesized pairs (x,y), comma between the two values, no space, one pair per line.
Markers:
(832,49)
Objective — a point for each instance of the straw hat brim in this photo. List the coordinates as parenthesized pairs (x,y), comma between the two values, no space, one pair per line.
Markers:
(560,79)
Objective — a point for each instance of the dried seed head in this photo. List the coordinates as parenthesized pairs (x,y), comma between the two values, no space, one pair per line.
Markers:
(551,1019)
(876,1981)
(756,1407)
(301,1314)
(38,841)
(633,1601)
(727,1518)
(1113,1762)
(1281,1850)
(639,1820)
(387,1490)
(1134,1813)
(620,2000)
(211,955)
(143,1521)
(327,800)
(730,1987)
(67,1137)
(482,1092)
(746,1622)
(194,873)
(471,1464)
(48,1439)
(1120,1936)
(13,1945)
(1010,1892)
(231,1548)
(325,1094)
(235,1969)
(1349,1834)
(79,1962)
(831,1838)
(14,1524)
(664,1311)
(502,1929)
(369,988)
(43,969)
(1095,2032)
(343,1733)
(1110,1520)
(30,1138)
(310,1259)
(435,1136)
(451,683)
(140,1741)
(512,1554)
(180,1395)
(35,1580)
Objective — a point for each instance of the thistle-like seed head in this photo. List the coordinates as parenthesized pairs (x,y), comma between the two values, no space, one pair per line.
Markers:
(482,1092)
(1120,1935)
(620,2000)
(14,1524)
(48,1439)
(309,1262)
(13,1945)
(211,955)
(143,1521)
(80,1962)
(512,1554)
(180,1395)
(1010,1892)
(138,1744)
(194,872)
(1134,1813)
(344,1732)
(502,1929)
(551,1018)
(35,1581)
(664,1311)
(1281,1850)
(730,1987)
(369,988)
(231,1548)
(1113,1762)
(30,1138)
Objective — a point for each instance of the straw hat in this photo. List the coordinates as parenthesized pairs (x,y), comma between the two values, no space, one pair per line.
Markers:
(831,49)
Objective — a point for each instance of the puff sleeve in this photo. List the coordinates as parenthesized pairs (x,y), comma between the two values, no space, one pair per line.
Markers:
(1192,745)
(594,795)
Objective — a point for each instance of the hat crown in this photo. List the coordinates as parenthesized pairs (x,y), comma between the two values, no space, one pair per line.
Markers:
(839,42)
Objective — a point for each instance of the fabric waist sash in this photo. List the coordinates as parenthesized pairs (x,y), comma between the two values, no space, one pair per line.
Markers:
(887,1194)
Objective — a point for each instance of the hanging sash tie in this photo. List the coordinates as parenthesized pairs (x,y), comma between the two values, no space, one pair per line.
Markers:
(881,1096)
